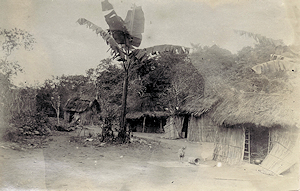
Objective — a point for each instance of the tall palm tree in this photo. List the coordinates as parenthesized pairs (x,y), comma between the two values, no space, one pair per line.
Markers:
(122,38)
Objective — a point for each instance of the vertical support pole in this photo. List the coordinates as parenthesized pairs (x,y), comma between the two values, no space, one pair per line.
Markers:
(160,126)
(201,129)
(249,145)
(269,141)
(244,140)
(144,123)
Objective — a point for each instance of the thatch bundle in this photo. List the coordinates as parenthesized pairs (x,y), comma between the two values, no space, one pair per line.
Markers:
(173,127)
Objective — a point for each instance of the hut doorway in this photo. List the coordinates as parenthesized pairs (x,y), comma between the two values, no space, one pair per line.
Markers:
(70,116)
(185,125)
(256,143)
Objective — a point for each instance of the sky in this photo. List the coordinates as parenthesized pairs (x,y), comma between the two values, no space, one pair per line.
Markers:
(65,47)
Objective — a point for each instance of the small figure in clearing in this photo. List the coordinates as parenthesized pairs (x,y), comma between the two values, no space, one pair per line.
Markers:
(181,153)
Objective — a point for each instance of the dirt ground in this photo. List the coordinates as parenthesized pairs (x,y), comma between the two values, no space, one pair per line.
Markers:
(149,163)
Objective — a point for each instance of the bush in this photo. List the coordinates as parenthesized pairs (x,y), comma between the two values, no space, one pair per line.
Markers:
(31,124)
(11,135)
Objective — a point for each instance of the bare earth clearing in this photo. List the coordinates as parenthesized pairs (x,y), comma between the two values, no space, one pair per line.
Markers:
(150,163)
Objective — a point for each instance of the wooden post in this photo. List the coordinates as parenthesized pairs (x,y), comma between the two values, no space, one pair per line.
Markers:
(144,123)
(244,140)
(201,128)
(269,141)
(66,117)
(160,126)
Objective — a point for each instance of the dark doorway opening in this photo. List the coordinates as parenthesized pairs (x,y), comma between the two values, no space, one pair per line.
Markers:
(256,143)
(185,126)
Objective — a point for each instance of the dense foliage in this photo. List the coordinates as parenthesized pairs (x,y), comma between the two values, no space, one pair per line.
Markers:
(164,82)
(13,100)
(224,70)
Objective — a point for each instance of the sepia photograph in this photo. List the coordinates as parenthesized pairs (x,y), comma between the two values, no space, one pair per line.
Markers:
(149,95)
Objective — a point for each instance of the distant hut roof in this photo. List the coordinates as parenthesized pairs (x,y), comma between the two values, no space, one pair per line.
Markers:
(137,115)
(198,106)
(79,105)
(261,109)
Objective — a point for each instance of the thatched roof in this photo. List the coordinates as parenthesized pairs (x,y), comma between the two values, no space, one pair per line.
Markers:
(200,105)
(195,106)
(79,105)
(261,109)
(137,115)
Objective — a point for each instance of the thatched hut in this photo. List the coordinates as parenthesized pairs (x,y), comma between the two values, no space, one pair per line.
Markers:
(147,122)
(258,125)
(84,112)
(200,127)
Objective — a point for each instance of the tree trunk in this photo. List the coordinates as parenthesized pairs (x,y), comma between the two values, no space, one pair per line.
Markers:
(57,115)
(57,112)
(124,101)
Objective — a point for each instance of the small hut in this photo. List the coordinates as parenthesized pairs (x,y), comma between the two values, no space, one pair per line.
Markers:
(147,122)
(200,127)
(192,122)
(84,112)
(257,125)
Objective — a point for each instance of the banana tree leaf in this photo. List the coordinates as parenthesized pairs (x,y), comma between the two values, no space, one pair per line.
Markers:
(135,41)
(106,6)
(134,23)
(119,29)
(117,51)
(275,65)
(115,22)
(120,36)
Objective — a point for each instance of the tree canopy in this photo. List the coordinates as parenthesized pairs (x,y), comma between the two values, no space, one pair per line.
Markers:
(223,70)
(10,41)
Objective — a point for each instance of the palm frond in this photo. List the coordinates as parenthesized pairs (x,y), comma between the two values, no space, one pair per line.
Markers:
(117,51)
(260,39)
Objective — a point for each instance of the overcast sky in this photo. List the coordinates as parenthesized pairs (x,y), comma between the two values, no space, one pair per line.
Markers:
(65,47)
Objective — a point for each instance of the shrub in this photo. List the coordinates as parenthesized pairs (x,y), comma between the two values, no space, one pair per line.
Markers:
(31,124)
(11,134)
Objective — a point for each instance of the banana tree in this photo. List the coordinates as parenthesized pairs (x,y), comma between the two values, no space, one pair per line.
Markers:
(123,38)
